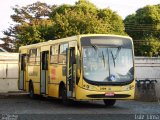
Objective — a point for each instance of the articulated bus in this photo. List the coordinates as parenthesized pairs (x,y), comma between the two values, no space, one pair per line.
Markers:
(82,67)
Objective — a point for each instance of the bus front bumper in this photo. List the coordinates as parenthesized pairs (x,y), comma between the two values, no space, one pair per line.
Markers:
(84,94)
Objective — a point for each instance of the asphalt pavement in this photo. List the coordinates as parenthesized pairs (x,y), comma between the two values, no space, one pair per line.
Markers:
(20,107)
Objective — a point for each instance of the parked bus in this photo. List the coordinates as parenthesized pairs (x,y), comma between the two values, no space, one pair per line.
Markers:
(82,67)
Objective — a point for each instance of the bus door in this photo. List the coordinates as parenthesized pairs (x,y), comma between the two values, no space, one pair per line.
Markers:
(44,73)
(22,71)
(71,76)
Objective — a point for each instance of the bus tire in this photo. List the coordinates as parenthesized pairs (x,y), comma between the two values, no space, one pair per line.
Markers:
(31,90)
(109,102)
(63,93)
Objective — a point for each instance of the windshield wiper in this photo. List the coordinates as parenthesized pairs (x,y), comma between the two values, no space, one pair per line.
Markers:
(115,57)
(96,48)
(103,59)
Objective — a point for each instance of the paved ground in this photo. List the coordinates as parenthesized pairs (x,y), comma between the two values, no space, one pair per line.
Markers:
(24,107)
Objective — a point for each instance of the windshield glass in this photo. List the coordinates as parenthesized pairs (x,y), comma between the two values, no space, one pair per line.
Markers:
(107,64)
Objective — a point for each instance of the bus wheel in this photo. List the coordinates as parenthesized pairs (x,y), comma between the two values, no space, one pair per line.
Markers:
(64,94)
(31,90)
(109,102)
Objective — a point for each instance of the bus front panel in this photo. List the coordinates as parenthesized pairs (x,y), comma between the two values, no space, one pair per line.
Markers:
(107,68)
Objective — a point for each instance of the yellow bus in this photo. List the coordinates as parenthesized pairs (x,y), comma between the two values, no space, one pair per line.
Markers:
(82,67)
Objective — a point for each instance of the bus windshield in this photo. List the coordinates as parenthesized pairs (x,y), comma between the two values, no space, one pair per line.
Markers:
(102,64)
(107,59)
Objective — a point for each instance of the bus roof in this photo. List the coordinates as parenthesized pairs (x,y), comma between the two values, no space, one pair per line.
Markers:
(68,39)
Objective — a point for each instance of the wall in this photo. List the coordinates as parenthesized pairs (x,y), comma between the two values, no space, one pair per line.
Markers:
(8,72)
(145,68)
(148,68)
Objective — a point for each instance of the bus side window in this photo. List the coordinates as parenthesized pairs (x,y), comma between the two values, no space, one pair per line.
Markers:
(38,56)
(62,56)
(54,53)
(63,48)
(33,52)
(32,56)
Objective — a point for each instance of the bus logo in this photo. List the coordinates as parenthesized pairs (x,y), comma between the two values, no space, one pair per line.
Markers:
(112,77)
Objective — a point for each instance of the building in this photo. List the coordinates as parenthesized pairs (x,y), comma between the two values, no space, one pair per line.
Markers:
(8,72)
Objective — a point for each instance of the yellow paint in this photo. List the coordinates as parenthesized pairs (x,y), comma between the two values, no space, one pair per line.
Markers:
(54,74)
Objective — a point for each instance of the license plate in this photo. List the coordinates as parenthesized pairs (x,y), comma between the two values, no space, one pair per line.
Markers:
(109,94)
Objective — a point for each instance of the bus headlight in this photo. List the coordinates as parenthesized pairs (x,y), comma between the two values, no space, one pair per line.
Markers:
(131,87)
(89,87)
(128,87)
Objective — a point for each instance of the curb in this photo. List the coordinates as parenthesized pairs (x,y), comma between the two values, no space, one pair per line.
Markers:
(13,94)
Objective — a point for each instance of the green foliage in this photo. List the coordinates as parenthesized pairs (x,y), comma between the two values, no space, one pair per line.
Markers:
(145,23)
(40,22)
(8,44)
(114,22)
(33,24)
(144,26)
(149,47)
(37,31)
(84,18)
(74,23)
(30,12)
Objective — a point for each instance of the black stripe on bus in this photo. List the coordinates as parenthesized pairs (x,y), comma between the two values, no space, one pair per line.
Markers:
(103,96)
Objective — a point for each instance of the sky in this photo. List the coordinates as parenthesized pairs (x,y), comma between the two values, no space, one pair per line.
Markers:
(122,7)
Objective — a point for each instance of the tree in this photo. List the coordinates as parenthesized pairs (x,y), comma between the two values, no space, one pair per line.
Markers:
(114,21)
(148,47)
(37,31)
(32,24)
(31,12)
(84,18)
(144,26)
(8,44)
(40,22)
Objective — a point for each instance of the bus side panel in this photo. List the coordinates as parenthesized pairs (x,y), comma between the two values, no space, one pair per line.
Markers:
(53,90)
(27,86)
(34,75)
(53,85)
(62,73)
